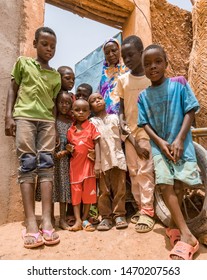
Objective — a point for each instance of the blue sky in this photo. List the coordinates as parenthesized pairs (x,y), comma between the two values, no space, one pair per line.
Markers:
(77,37)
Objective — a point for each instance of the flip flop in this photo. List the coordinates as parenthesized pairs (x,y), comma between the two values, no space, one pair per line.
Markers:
(50,241)
(105,224)
(121,223)
(173,234)
(87,226)
(134,219)
(184,250)
(144,220)
(35,236)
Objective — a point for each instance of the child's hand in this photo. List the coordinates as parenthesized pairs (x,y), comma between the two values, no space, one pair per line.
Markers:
(91,154)
(57,144)
(177,148)
(10,127)
(124,127)
(57,139)
(97,169)
(141,152)
(61,154)
(165,148)
(69,148)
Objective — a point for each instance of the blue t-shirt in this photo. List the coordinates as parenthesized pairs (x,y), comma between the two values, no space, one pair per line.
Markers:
(164,107)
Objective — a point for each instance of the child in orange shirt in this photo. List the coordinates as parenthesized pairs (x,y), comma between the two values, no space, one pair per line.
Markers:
(82,137)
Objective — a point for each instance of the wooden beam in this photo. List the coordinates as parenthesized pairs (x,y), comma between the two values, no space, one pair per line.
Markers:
(94,5)
(94,12)
(83,13)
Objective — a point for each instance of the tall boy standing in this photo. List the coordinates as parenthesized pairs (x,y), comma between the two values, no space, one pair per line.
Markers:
(137,145)
(30,118)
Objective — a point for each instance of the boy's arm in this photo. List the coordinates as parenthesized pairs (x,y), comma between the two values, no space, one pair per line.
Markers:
(97,167)
(57,137)
(141,152)
(178,144)
(123,124)
(162,144)
(10,126)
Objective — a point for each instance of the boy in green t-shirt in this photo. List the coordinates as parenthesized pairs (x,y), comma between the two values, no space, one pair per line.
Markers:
(30,117)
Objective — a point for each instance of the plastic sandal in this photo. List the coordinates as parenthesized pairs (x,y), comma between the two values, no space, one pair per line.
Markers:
(146,221)
(87,226)
(184,250)
(105,224)
(35,236)
(49,234)
(121,223)
(134,219)
(173,234)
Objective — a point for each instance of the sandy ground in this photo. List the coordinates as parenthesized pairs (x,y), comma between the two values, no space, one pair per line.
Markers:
(114,244)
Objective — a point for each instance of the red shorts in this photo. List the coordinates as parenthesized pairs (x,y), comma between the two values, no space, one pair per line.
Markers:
(84,192)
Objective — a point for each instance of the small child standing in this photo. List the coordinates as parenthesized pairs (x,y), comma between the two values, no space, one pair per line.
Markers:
(30,118)
(83,91)
(67,83)
(166,111)
(82,136)
(112,182)
(61,190)
(137,145)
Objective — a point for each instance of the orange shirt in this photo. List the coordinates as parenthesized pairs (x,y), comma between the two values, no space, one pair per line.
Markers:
(81,167)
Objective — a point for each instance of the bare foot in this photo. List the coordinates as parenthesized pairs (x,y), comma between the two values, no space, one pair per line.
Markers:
(63,225)
(77,226)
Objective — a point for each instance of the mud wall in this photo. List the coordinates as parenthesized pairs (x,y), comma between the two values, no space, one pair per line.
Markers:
(9,45)
(18,20)
(198,66)
(172,28)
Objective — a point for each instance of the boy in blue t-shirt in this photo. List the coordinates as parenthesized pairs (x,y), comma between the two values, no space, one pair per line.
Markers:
(166,111)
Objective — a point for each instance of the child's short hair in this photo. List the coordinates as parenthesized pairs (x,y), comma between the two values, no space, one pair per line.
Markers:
(43,29)
(61,69)
(158,47)
(86,86)
(135,40)
(61,92)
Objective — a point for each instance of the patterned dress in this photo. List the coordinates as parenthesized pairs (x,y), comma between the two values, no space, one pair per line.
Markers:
(61,190)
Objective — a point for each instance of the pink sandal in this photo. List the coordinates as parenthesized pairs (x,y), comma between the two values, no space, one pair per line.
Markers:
(36,236)
(184,250)
(50,241)
(173,234)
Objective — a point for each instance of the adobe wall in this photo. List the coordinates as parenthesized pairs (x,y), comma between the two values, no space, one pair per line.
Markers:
(139,22)
(172,28)
(18,21)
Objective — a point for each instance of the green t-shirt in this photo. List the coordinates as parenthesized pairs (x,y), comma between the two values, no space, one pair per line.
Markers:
(38,89)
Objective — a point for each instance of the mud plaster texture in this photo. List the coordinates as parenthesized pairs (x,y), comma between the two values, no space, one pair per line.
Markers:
(172,29)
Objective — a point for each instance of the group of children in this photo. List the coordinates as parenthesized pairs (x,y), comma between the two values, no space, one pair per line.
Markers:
(73,137)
